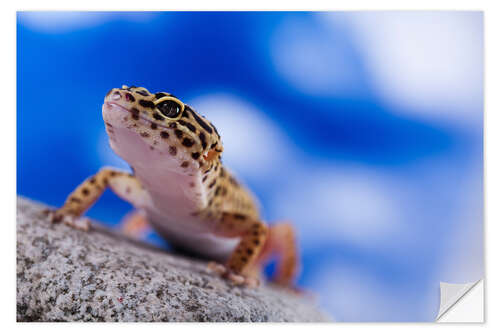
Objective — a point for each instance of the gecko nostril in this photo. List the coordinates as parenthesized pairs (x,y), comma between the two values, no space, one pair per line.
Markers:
(116,96)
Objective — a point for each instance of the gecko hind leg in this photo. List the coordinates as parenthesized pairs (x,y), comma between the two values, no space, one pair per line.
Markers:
(282,242)
(135,225)
(278,240)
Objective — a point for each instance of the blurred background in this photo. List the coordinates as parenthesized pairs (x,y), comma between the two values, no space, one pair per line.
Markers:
(363,128)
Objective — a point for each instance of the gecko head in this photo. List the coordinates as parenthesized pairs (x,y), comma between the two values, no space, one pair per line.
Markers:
(161,121)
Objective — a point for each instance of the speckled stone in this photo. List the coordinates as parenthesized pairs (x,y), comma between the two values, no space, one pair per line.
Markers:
(69,275)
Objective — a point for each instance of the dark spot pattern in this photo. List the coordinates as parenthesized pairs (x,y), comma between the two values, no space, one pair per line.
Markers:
(135,113)
(157,116)
(188,125)
(154,126)
(147,104)
(215,129)
(200,121)
(160,95)
(203,140)
(195,155)
(178,133)
(184,164)
(172,150)
(142,92)
(187,142)
(164,134)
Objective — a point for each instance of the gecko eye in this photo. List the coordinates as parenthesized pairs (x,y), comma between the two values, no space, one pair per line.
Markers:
(170,107)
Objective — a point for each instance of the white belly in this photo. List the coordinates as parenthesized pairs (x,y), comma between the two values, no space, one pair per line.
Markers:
(175,193)
(202,243)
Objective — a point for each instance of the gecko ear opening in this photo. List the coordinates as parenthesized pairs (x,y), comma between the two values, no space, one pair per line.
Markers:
(211,155)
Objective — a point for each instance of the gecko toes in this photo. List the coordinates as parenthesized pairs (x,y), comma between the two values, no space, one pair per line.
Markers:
(53,215)
(79,223)
(56,216)
(216,268)
(234,278)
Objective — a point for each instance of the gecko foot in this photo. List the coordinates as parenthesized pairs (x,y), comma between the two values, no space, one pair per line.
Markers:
(77,222)
(236,279)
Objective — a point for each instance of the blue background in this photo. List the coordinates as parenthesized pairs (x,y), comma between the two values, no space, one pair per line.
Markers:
(377,161)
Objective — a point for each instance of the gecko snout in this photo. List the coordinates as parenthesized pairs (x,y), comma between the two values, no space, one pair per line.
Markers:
(115,95)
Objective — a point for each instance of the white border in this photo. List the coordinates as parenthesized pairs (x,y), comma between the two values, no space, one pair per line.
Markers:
(492,133)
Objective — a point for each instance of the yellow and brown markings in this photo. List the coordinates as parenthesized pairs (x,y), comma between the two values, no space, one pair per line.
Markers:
(172,122)
(83,197)
(253,235)
(177,131)
(223,193)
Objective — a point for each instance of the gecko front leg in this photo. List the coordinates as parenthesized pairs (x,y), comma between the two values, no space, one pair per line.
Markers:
(253,235)
(124,184)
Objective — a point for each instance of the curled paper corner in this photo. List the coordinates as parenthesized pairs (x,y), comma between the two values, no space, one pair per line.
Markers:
(451,293)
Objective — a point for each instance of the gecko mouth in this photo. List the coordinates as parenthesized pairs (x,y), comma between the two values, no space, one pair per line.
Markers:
(135,113)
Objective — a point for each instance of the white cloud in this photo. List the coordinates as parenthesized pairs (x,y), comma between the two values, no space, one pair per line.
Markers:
(61,21)
(353,293)
(253,144)
(310,60)
(462,256)
(423,61)
(356,205)
(57,22)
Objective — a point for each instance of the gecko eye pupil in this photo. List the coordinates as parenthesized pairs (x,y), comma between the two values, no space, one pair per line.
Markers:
(169,108)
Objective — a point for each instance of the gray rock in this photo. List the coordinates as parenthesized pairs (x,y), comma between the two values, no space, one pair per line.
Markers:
(68,275)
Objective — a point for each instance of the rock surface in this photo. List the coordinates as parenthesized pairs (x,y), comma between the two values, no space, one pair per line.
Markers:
(69,275)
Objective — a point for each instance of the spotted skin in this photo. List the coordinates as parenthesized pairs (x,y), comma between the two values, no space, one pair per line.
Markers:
(180,187)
